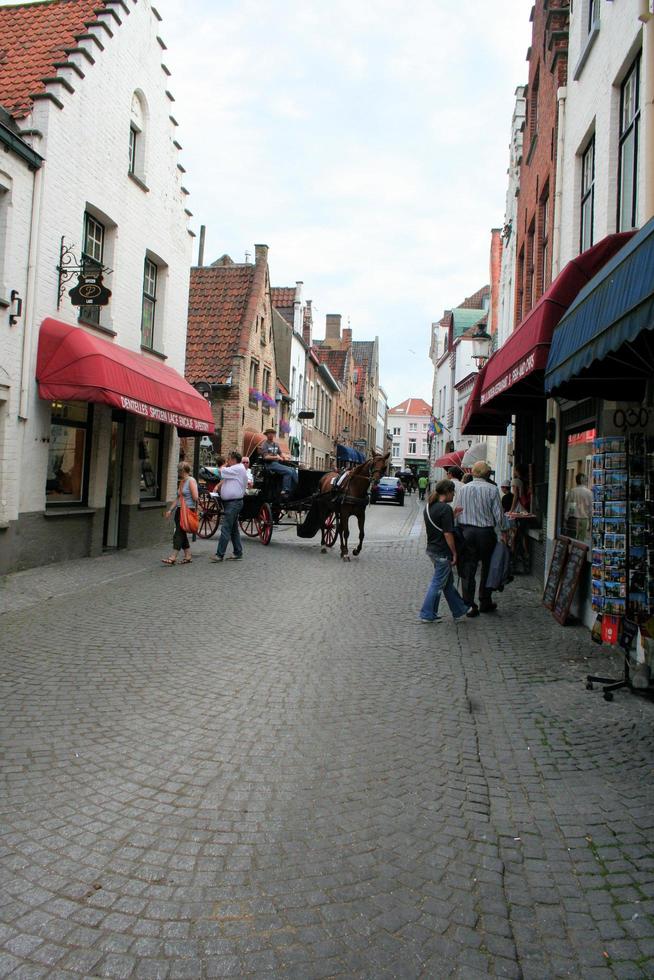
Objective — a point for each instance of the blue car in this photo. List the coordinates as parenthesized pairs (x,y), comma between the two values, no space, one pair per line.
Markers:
(389,490)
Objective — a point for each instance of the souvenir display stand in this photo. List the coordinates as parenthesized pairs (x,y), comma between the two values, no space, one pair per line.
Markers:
(622,554)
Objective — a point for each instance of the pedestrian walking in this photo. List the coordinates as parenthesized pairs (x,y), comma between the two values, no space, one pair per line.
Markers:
(442,550)
(232,487)
(423,481)
(187,490)
(481,519)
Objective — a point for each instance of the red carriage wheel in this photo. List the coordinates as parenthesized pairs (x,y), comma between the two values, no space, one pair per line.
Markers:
(329,530)
(264,521)
(209,511)
(249,527)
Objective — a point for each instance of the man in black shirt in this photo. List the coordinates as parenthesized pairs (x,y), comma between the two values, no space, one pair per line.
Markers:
(441,548)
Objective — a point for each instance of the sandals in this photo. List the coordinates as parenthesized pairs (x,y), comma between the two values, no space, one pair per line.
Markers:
(168,561)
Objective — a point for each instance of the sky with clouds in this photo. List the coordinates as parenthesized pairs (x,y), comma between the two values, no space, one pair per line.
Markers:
(365,142)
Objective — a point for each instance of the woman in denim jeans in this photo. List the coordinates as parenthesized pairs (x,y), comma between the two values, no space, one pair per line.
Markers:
(441,548)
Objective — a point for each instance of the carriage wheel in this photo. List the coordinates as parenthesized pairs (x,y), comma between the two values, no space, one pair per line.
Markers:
(249,526)
(329,530)
(264,520)
(209,515)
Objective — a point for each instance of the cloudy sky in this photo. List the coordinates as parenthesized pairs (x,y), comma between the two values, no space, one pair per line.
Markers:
(365,142)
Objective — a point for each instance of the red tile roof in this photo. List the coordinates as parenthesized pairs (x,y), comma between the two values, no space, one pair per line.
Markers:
(336,361)
(411,406)
(283,297)
(33,37)
(476,301)
(218,325)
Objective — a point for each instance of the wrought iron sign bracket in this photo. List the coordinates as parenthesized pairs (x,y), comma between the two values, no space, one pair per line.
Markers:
(69,267)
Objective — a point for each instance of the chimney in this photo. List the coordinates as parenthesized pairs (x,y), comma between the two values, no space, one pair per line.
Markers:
(306,324)
(260,254)
(347,336)
(333,326)
(298,308)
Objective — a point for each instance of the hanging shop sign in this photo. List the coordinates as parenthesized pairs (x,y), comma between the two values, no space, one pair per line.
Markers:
(89,290)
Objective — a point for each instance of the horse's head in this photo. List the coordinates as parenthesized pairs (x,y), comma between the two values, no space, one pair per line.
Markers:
(378,468)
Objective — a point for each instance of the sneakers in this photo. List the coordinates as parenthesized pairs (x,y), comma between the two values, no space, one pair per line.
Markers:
(217,558)
(436,619)
(464,615)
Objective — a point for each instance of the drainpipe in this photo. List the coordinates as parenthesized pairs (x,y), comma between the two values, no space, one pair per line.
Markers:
(646,15)
(558,181)
(30,297)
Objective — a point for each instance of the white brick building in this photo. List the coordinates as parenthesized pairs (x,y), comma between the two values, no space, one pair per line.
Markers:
(92,98)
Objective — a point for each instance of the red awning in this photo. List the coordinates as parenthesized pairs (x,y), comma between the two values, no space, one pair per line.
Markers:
(451,459)
(512,380)
(73,365)
(482,422)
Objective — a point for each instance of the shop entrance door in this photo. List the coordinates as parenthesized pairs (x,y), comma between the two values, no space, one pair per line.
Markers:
(111,535)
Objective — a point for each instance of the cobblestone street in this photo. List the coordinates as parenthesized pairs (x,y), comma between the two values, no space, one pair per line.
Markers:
(271,768)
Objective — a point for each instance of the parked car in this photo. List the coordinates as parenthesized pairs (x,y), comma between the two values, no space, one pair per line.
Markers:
(389,488)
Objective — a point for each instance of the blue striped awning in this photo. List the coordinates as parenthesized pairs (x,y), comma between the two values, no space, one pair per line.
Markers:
(604,345)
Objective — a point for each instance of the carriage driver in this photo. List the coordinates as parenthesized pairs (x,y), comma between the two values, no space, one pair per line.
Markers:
(272,456)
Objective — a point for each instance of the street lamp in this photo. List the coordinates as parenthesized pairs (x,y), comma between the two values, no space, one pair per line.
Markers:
(481,342)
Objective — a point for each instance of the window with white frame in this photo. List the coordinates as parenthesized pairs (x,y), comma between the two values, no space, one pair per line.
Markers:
(587,196)
(396,450)
(137,137)
(149,305)
(425,447)
(92,259)
(413,426)
(628,149)
(412,447)
(396,430)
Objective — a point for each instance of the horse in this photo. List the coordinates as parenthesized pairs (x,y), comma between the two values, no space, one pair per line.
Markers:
(353,491)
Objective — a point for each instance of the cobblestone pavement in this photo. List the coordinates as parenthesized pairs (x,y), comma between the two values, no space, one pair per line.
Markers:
(270,768)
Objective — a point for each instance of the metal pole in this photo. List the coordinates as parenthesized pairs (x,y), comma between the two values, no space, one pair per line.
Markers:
(201,246)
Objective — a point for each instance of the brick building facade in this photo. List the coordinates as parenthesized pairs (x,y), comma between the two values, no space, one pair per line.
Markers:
(230,345)
(535,231)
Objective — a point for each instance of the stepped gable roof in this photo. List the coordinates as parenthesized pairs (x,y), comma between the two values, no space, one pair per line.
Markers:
(33,40)
(411,406)
(218,323)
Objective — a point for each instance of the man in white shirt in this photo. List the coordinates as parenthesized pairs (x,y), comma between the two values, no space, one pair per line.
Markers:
(232,487)
(480,519)
(579,508)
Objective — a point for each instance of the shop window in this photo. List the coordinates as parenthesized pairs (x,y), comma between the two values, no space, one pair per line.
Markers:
(628,149)
(68,453)
(577,469)
(151,457)
(149,304)
(587,196)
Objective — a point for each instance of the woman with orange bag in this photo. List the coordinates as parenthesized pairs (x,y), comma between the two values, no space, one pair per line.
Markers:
(187,500)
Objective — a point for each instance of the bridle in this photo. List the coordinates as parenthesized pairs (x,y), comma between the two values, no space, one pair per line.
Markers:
(373,476)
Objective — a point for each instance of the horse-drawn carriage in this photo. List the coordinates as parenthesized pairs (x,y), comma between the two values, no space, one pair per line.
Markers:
(319,502)
(263,506)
